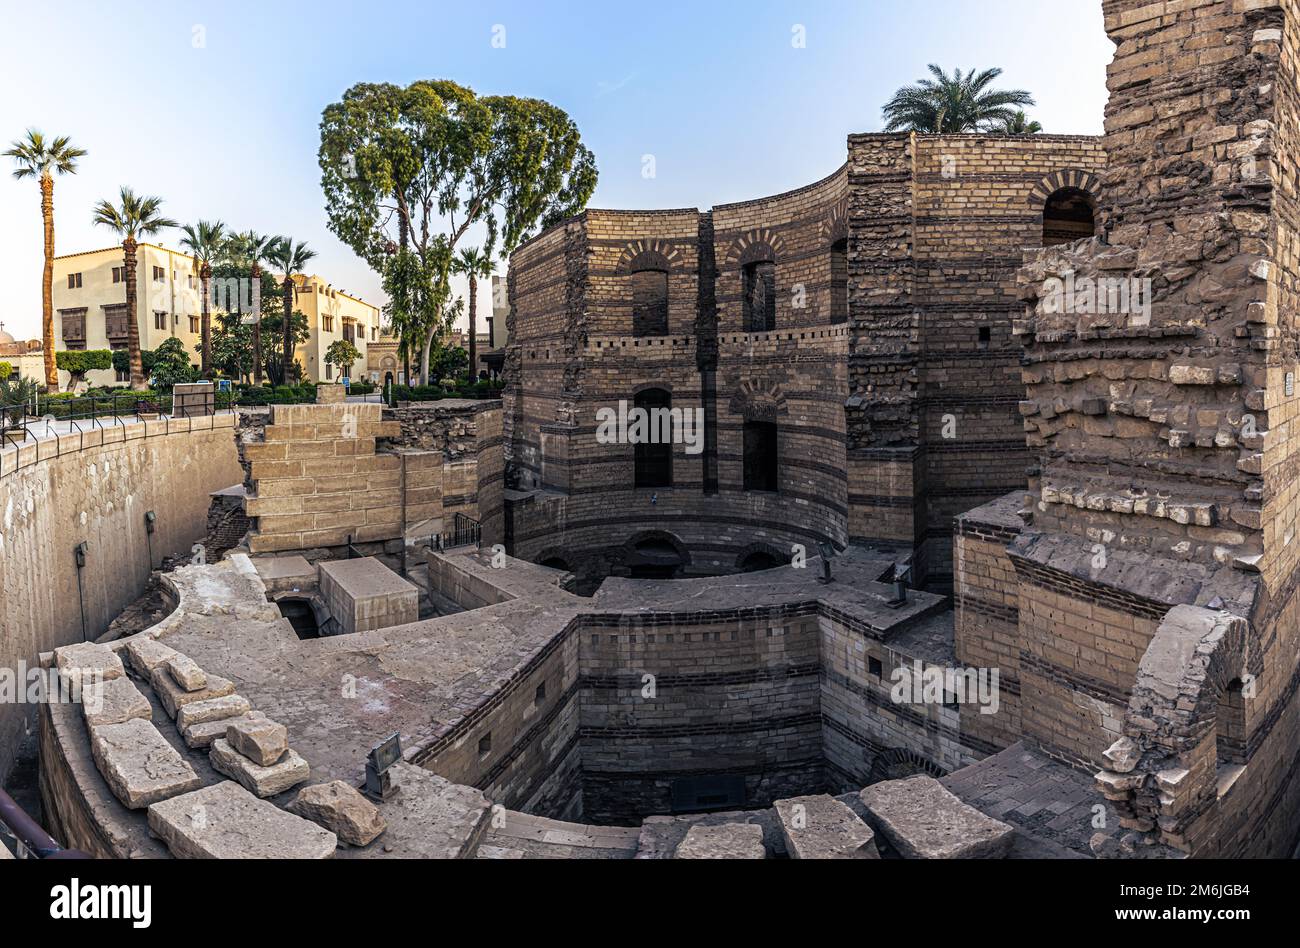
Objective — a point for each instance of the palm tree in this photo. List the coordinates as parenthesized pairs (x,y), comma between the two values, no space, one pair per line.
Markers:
(289,258)
(1019,124)
(38,158)
(256,247)
(136,217)
(953,104)
(473,263)
(204,240)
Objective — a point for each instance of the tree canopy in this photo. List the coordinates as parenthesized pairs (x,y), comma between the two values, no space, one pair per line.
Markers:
(953,104)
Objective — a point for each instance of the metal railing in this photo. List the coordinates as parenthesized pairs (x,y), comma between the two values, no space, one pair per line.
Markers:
(33,841)
(465,531)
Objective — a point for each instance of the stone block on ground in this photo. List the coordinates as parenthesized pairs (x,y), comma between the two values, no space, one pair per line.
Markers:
(728,841)
(174,697)
(139,765)
(923,820)
(659,836)
(432,818)
(87,661)
(821,827)
(186,672)
(225,821)
(363,594)
(200,736)
(341,809)
(145,653)
(261,740)
(263,781)
(114,702)
(213,709)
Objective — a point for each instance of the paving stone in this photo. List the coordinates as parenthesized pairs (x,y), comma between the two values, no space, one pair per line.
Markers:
(201,736)
(433,818)
(261,740)
(139,765)
(174,697)
(923,820)
(340,808)
(225,821)
(198,712)
(264,781)
(821,827)
(728,841)
(114,702)
(87,662)
(186,672)
(145,653)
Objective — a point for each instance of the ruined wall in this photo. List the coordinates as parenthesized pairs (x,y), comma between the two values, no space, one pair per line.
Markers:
(1162,432)
(95,488)
(325,475)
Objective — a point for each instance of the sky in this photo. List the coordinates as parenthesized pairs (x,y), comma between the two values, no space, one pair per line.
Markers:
(215,106)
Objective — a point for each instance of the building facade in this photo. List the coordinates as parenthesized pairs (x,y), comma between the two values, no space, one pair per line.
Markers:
(847,348)
(90,308)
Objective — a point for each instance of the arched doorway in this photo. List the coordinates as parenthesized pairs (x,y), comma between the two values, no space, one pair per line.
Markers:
(1068,215)
(656,557)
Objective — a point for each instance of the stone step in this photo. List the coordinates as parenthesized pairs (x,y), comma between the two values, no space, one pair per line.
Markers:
(138,764)
(263,781)
(922,819)
(225,821)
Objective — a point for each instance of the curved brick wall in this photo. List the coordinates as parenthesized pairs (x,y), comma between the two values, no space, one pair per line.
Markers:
(891,421)
(95,488)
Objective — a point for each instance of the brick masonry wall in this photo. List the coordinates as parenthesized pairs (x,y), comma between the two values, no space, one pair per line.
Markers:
(96,488)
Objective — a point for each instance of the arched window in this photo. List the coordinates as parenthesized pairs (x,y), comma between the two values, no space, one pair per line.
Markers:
(840,281)
(759,279)
(1230,725)
(760,456)
(650,302)
(758,562)
(654,452)
(1068,216)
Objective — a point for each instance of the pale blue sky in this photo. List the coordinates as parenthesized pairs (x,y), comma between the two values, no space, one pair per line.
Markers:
(714,90)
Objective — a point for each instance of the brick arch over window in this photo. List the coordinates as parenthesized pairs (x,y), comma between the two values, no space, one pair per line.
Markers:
(762,244)
(1074,178)
(758,400)
(747,558)
(895,763)
(836,225)
(648,255)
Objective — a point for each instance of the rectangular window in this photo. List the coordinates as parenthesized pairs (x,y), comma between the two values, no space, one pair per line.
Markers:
(74,345)
(540,695)
(160,321)
(329,370)
(649,303)
(194,324)
(327,323)
(760,456)
(74,281)
(875,667)
(119,274)
(374,333)
(159,275)
(485,745)
(760,296)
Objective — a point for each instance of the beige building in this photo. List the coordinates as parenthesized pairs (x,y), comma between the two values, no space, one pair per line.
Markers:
(333,315)
(90,308)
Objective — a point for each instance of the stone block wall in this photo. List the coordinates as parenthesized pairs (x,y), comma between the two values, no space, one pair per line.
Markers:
(987,613)
(327,475)
(95,488)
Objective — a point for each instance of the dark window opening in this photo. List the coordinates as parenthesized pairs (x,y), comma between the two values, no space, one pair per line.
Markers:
(840,281)
(986,336)
(875,667)
(301,616)
(655,559)
(701,794)
(760,456)
(650,303)
(485,744)
(1068,216)
(540,695)
(654,460)
(760,296)
(1231,725)
(758,562)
